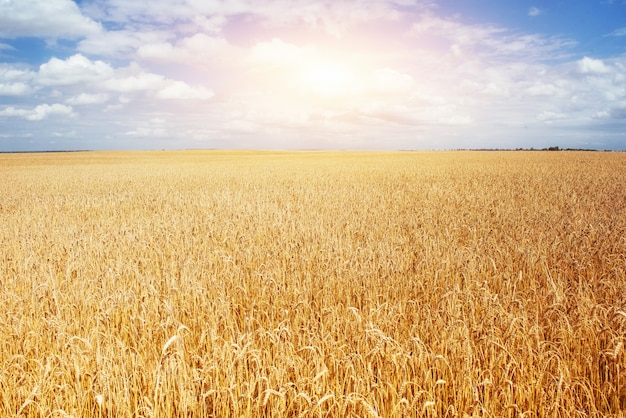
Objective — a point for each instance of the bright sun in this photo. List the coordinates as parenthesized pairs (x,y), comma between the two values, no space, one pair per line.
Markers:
(326,79)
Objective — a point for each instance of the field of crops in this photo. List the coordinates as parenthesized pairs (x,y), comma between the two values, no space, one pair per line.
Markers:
(315,284)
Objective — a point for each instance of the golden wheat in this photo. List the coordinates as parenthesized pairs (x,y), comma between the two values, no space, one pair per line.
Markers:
(201,284)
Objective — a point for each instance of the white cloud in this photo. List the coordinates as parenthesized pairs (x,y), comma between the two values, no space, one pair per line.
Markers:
(548,116)
(179,90)
(39,112)
(158,52)
(147,132)
(121,43)
(410,72)
(280,54)
(197,49)
(456,31)
(44,18)
(12,111)
(212,24)
(101,78)
(540,88)
(12,73)
(14,89)
(592,66)
(241,126)
(77,69)
(390,81)
(154,11)
(332,15)
(469,40)
(617,32)
(122,102)
(67,134)
(141,81)
(534,11)
(201,44)
(335,17)
(88,99)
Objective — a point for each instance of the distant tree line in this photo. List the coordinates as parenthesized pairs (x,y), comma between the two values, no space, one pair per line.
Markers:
(552,148)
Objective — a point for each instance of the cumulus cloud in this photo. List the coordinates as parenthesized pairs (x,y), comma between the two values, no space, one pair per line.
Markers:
(39,112)
(207,24)
(141,81)
(193,50)
(43,111)
(162,87)
(15,80)
(592,66)
(179,90)
(45,18)
(88,99)
(79,70)
(274,70)
(14,89)
(80,81)
(278,53)
(76,69)
(155,127)
(14,73)
(12,111)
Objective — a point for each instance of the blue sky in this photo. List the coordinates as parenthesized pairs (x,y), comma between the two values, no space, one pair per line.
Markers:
(292,74)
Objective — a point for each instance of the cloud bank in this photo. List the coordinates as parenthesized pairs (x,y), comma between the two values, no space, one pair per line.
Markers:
(384,74)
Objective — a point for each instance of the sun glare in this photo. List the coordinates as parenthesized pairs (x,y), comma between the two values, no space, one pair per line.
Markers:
(327,80)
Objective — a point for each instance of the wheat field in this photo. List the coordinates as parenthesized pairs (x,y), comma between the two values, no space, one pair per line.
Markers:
(312,284)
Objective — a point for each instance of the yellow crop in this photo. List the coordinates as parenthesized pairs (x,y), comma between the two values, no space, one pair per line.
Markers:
(314,284)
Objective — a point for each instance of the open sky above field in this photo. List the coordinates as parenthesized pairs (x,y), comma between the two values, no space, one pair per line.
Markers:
(291,74)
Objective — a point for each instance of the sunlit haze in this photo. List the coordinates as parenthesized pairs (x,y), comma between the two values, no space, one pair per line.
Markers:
(316,74)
